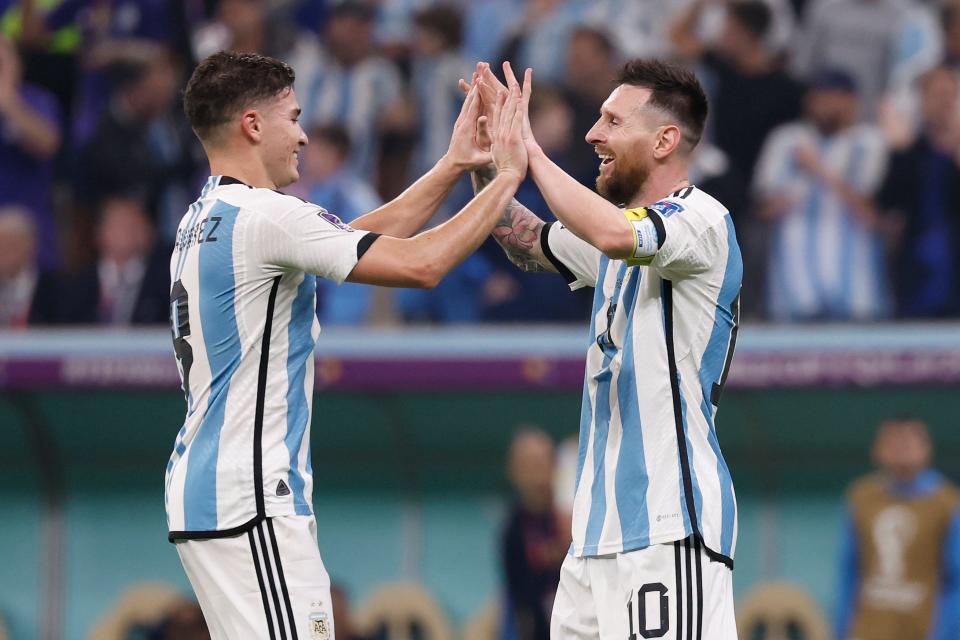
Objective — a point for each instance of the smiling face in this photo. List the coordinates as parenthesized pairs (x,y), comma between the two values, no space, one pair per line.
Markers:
(624,138)
(281,137)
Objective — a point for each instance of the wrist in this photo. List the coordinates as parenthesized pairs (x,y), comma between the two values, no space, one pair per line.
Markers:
(510,176)
(450,166)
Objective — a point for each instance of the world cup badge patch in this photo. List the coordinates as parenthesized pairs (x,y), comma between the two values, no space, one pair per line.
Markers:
(319,623)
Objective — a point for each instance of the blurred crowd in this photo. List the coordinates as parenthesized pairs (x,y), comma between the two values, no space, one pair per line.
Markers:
(834,139)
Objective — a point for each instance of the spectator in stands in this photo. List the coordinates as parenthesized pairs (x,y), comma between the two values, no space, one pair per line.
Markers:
(883,44)
(19,276)
(751,94)
(815,183)
(900,558)
(950,23)
(130,282)
(922,190)
(542,36)
(349,84)
(437,66)
(536,537)
(142,145)
(29,141)
(592,62)
(326,179)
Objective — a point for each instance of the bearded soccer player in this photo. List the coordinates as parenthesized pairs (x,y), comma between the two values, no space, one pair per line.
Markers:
(654,516)
(238,485)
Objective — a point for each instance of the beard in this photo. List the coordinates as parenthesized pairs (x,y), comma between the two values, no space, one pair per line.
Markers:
(624,183)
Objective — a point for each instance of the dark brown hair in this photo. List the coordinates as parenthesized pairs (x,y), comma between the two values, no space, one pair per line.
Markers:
(674,89)
(226,83)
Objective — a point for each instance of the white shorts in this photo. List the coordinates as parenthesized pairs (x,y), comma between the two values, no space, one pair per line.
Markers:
(266,584)
(672,591)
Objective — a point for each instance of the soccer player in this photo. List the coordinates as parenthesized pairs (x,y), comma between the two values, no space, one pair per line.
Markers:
(654,517)
(238,485)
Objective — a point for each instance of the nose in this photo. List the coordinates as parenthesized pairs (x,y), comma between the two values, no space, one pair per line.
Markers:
(303,138)
(594,136)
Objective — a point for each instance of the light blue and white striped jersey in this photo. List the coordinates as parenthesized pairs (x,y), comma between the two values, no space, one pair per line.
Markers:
(355,98)
(824,262)
(662,336)
(244,329)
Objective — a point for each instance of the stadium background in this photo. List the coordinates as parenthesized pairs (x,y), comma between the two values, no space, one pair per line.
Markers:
(412,422)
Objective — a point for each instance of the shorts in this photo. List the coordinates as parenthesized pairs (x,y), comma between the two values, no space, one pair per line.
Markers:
(267,583)
(672,591)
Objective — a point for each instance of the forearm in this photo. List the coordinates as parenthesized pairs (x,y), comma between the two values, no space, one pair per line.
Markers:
(585,213)
(517,231)
(407,213)
(683,32)
(36,135)
(438,251)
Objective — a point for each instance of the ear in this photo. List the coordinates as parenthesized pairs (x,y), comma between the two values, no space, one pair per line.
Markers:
(667,140)
(251,124)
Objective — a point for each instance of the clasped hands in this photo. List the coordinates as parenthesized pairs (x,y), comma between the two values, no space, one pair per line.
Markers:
(494,123)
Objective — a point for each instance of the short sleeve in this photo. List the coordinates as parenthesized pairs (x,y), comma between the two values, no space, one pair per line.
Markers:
(690,241)
(577,261)
(310,239)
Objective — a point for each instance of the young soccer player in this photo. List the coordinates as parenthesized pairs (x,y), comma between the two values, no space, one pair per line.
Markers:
(238,485)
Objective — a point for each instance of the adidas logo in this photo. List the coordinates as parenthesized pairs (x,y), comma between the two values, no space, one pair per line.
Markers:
(283,489)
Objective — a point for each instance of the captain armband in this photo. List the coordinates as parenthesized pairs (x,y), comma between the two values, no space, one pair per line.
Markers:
(646,239)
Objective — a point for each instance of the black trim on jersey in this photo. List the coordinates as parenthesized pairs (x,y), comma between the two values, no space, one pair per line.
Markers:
(548,254)
(283,583)
(717,390)
(173,536)
(231,180)
(667,301)
(263,588)
(365,243)
(658,225)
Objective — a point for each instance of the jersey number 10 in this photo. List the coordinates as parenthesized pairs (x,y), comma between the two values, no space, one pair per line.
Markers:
(638,614)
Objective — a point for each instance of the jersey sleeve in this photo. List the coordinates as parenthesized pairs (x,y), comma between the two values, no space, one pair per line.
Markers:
(309,238)
(690,242)
(577,260)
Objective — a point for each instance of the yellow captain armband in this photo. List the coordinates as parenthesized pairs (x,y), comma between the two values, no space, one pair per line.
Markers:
(645,238)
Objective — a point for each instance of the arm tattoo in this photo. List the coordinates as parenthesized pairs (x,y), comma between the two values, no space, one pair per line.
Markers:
(518,232)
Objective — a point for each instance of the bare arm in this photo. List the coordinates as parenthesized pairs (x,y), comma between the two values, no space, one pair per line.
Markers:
(31,131)
(683,32)
(422,261)
(585,213)
(407,213)
(518,230)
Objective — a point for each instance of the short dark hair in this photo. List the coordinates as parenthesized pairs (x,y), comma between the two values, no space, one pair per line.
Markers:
(753,15)
(227,82)
(444,20)
(674,89)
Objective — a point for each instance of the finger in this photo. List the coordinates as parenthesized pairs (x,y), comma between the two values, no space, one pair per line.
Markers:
(508,75)
(527,87)
(497,110)
(483,129)
(464,86)
(469,104)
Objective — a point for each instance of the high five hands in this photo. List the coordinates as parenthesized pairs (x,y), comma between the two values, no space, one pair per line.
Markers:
(502,115)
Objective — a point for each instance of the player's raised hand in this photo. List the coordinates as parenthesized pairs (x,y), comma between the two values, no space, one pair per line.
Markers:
(525,92)
(465,150)
(508,148)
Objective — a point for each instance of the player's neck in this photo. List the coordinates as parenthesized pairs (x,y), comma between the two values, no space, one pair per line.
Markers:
(246,168)
(661,182)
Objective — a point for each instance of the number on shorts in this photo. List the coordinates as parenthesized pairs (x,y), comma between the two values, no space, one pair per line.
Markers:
(641,612)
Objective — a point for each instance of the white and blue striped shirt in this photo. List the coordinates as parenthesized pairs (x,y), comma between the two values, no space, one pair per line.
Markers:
(244,327)
(825,262)
(650,469)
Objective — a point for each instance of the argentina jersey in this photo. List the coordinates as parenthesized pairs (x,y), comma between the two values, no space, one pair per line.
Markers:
(650,470)
(242,309)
